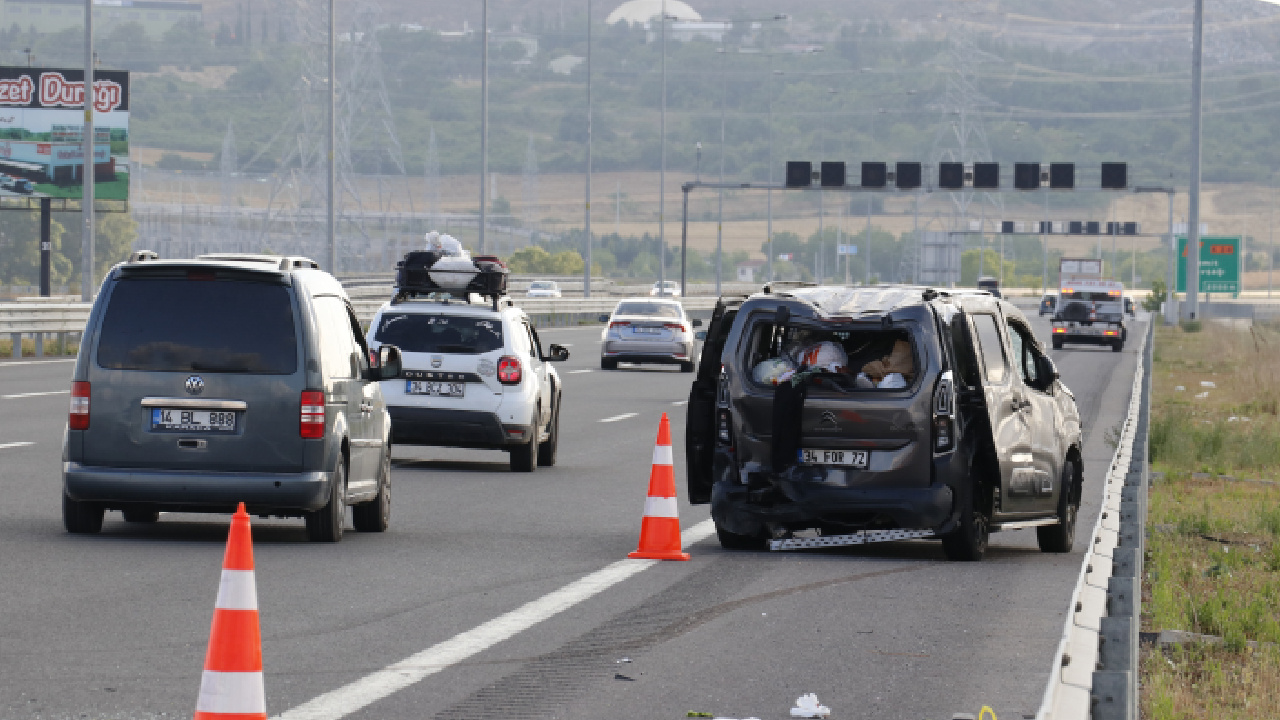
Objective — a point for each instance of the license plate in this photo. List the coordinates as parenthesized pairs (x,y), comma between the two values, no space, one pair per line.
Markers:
(844,458)
(193,420)
(648,331)
(438,389)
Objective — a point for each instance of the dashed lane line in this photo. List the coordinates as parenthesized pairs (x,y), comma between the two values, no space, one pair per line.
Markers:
(680,402)
(10,363)
(395,677)
(15,396)
(578,372)
(616,418)
(6,446)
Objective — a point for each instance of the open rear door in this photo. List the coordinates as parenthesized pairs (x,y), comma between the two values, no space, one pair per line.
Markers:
(699,432)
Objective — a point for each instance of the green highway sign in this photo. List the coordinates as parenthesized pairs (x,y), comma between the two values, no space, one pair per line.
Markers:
(1219,265)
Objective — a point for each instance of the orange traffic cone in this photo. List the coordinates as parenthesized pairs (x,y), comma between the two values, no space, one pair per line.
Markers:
(660,529)
(231,688)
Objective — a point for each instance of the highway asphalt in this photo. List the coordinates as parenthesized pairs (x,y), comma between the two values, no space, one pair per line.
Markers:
(114,625)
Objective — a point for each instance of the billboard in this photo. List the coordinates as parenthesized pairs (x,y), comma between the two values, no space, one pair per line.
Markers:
(42,131)
(1219,265)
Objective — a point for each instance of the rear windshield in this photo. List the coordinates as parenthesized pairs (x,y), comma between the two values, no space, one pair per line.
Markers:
(422,333)
(1091,296)
(541,286)
(215,326)
(649,309)
(839,360)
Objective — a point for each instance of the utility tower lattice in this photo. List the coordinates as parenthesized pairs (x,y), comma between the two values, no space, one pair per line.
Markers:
(961,135)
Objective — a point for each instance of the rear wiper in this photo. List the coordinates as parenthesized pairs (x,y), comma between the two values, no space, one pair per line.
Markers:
(219,368)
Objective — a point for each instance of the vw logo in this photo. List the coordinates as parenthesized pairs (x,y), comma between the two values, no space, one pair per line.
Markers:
(436,361)
(195,385)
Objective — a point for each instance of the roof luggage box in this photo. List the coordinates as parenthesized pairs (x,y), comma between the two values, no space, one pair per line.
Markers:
(423,272)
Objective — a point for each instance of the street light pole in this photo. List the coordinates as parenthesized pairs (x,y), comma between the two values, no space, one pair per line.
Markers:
(331,180)
(662,171)
(586,265)
(87,172)
(484,117)
(1193,215)
(724,97)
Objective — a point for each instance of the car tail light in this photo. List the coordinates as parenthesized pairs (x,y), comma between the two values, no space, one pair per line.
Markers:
(676,326)
(619,324)
(311,421)
(943,434)
(509,371)
(723,432)
(79,417)
(944,404)
(1059,329)
(1110,332)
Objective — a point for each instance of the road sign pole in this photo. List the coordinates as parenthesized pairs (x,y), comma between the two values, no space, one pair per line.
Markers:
(46,245)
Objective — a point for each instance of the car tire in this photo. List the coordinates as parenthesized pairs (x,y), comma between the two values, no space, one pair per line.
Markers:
(1059,538)
(375,515)
(608,364)
(1057,344)
(81,518)
(686,367)
(327,523)
(141,516)
(547,450)
(1117,346)
(734,541)
(968,542)
(524,458)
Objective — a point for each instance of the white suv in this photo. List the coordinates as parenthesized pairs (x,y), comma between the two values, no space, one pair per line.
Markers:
(475,376)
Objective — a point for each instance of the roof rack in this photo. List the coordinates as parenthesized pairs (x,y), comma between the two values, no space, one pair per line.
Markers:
(138,256)
(295,262)
(417,274)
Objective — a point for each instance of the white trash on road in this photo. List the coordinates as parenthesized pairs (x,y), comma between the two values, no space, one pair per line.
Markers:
(807,706)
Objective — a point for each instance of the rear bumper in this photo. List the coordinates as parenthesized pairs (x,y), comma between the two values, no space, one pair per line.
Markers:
(647,352)
(802,505)
(440,427)
(1088,339)
(191,490)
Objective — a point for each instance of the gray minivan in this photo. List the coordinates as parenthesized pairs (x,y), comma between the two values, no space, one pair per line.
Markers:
(204,383)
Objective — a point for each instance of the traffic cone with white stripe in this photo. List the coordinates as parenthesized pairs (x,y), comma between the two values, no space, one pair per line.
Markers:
(231,688)
(660,529)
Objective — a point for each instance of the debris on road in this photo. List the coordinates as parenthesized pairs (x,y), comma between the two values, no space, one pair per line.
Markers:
(807,706)
(620,676)
(622,661)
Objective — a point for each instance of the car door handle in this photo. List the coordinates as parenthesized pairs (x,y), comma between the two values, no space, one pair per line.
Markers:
(366,407)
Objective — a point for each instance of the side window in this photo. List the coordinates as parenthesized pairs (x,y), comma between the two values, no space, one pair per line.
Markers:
(357,335)
(520,338)
(336,341)
(1024,353)
(991,347)
(537,343)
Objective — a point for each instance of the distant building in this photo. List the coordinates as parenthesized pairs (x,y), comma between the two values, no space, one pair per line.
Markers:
(686,25)
(51,16)
(565,64)
(748,269)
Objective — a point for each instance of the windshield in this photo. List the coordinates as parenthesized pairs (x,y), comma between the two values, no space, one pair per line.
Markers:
(422,333)
(172,325)
(649,309)
(540,286)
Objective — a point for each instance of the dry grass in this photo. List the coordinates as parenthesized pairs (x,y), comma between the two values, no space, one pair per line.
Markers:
(1214,551)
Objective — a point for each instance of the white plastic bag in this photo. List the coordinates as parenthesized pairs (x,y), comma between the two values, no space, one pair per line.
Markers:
(893,380)
(772,371)
(827,355)
(807,706)
(862,381)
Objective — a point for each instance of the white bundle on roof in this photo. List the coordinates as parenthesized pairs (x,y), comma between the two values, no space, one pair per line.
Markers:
(455,269)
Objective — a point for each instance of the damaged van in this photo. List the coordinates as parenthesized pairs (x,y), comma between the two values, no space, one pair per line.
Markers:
(890,408)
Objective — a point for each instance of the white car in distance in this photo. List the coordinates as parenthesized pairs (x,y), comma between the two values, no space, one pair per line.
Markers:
(543,289)
(648,330)
(668,288)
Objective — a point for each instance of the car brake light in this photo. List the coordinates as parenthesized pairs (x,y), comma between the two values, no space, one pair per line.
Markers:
(311,421)
(619,324)
(676,326)
(509,372)
(943,437)
(1059,329)
(79,417)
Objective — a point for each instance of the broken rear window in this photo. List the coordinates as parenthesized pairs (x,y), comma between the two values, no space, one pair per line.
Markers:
(840,359)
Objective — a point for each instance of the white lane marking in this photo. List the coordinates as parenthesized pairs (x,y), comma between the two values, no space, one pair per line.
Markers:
(15,396)
(680,402)
(7,363)
(578,372)
(616,418)
(565,344)
(6,446)
(398,676)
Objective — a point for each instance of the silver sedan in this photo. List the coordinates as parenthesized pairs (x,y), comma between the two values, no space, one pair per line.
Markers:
(648,330)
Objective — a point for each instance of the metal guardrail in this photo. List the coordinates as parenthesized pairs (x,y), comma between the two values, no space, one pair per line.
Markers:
(1095,669)
(37,320)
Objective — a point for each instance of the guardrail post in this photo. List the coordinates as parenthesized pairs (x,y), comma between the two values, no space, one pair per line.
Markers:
(15,351)
(39,344)
(62,343)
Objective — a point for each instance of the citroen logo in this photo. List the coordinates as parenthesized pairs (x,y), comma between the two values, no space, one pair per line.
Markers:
(436,360)
(829,418)
(195,385)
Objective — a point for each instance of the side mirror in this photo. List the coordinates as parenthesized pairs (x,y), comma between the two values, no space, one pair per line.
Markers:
(559,353)
(604,318)
(697,322)
(1046,370)
(700,335)
(389,366)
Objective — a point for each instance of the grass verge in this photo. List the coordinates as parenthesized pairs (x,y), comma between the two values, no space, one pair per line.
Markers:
(1213,554)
